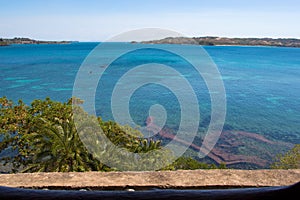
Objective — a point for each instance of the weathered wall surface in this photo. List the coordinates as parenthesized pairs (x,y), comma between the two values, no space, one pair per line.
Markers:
(184,179)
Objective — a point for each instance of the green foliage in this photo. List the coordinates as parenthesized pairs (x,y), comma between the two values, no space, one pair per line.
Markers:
(50,136)
(13,124)
(126,148)
(290,160)
(3,43)
(47,138)
(187,163)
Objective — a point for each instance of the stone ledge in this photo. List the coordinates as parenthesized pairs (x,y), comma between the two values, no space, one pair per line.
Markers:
(182,179)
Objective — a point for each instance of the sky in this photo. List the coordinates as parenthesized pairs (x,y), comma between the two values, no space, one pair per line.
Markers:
(99,20)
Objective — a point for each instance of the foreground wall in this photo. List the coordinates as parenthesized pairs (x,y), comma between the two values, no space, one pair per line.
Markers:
(197,184)
(192,179)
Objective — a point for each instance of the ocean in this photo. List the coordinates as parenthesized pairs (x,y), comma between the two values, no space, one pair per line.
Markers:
(262,87)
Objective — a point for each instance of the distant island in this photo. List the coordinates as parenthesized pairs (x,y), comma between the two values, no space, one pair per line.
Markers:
(205,41)
(16,40)
(219,41)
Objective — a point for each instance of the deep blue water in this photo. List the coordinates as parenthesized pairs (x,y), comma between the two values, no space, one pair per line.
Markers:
(262,83)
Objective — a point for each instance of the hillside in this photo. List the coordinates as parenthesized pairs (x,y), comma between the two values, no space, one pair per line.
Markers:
(16,40)
(212,41)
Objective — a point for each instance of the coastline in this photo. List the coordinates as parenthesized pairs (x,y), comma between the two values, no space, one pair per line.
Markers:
(224,41)
(8,42)
(202,41)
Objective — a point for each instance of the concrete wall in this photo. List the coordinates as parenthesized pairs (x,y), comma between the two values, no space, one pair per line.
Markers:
(183,179)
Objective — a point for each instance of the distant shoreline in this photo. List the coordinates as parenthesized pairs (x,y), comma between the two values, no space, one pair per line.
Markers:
(16,40)
(224,41)
(203,41)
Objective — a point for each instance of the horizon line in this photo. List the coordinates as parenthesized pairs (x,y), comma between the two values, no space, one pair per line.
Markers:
(72,40)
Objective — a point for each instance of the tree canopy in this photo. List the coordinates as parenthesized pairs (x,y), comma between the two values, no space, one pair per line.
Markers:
(45,138)
(289,160)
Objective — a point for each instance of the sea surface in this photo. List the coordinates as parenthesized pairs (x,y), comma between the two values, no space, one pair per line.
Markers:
(262,84)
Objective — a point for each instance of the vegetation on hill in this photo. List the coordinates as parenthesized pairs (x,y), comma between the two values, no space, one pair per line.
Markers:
(290,160)
(44,138)
(3,43)
(211,41)
(187,163)
(18,40)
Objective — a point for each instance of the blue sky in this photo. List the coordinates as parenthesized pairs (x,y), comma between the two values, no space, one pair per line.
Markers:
(97,20)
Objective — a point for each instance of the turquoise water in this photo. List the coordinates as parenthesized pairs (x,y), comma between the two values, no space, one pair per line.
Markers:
(262,84)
